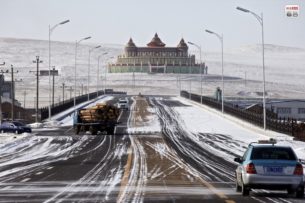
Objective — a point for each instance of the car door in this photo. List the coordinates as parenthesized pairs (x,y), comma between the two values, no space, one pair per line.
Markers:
(12,128)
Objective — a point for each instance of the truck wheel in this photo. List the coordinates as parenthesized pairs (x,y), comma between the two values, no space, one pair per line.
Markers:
(110,131)
(77,129)
(93,130)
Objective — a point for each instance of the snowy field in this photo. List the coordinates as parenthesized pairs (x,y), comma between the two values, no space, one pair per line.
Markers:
(242,68)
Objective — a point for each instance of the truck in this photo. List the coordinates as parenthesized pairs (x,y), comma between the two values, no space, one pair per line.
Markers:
(101,117)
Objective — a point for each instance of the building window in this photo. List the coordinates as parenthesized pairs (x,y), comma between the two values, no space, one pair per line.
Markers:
(284,110)
(301,110)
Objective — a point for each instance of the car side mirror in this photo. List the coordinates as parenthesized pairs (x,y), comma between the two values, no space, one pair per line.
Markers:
(238,160)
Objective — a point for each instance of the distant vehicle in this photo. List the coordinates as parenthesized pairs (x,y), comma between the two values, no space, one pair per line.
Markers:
(123,104)
(14,127)
(269,166)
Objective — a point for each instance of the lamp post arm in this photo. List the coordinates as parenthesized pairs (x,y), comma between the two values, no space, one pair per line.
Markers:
(259,18)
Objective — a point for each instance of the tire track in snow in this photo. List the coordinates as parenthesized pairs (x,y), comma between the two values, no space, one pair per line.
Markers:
(134,190)
(103,179)
(210,166)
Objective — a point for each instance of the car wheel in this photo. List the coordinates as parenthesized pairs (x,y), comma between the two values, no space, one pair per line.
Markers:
(300,192)
(290,191)
(245,190)
(237,186)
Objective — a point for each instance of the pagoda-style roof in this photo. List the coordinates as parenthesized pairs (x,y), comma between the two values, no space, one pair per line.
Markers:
(130,43)
(182,44)
(156,42)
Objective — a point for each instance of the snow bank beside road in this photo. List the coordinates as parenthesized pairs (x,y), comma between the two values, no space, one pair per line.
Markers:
(199,120)
(10,137)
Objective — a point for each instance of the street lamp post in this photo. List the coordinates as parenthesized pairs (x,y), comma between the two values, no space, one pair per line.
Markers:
(51,29)
(89,69)
(199,47)
(261,21)
(98,72)
(220,37)
(106,70)
(2,64)
(76,45)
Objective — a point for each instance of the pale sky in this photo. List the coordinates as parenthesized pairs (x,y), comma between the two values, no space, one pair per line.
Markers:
(115,21)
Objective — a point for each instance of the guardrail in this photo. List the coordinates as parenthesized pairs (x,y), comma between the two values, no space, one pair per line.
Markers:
(283,125)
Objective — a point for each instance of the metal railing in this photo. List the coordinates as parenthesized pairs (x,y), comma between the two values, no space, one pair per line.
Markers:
(283,125)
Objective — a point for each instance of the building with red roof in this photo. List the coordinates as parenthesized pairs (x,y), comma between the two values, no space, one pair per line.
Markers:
(157,58)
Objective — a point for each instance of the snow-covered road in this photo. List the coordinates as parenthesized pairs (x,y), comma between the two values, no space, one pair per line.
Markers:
(166,150)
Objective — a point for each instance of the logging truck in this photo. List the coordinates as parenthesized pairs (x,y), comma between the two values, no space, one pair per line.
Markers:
(99,118)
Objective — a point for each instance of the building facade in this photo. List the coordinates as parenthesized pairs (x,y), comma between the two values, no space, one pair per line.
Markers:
(288,108)
(156,58)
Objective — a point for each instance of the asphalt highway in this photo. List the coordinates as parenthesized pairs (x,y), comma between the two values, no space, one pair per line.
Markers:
(136,165)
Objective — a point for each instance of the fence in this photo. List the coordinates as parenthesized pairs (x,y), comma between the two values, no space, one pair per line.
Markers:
(282,125)
(62,106)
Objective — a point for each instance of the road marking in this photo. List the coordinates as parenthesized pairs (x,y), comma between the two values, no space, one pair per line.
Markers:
(126,174)
(7,188)
(38,173)
(49,168)
(25,180)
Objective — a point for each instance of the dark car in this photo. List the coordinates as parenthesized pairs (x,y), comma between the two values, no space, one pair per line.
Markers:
(14,127)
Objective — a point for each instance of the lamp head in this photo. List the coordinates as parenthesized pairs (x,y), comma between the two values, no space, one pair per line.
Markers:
(190,43)
(242,9)
(64,22)
(208,31)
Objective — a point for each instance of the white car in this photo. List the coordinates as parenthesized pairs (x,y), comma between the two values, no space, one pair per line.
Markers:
(123,104)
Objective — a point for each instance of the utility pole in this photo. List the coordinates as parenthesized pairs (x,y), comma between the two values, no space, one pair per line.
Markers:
(37,86)
(12,91)
(2,64)
(63,86)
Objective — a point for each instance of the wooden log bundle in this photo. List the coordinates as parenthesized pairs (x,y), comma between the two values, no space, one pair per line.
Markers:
(99,113)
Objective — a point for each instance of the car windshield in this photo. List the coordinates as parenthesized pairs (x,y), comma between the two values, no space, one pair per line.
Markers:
(260,153)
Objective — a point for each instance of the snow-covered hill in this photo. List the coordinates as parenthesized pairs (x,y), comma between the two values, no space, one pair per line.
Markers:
(284,70)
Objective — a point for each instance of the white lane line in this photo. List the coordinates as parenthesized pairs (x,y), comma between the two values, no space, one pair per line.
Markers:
(49,168)
(25,180)
(38,173)
(7,188)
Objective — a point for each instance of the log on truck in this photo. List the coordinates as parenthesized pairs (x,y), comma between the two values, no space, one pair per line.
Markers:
(101,117)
